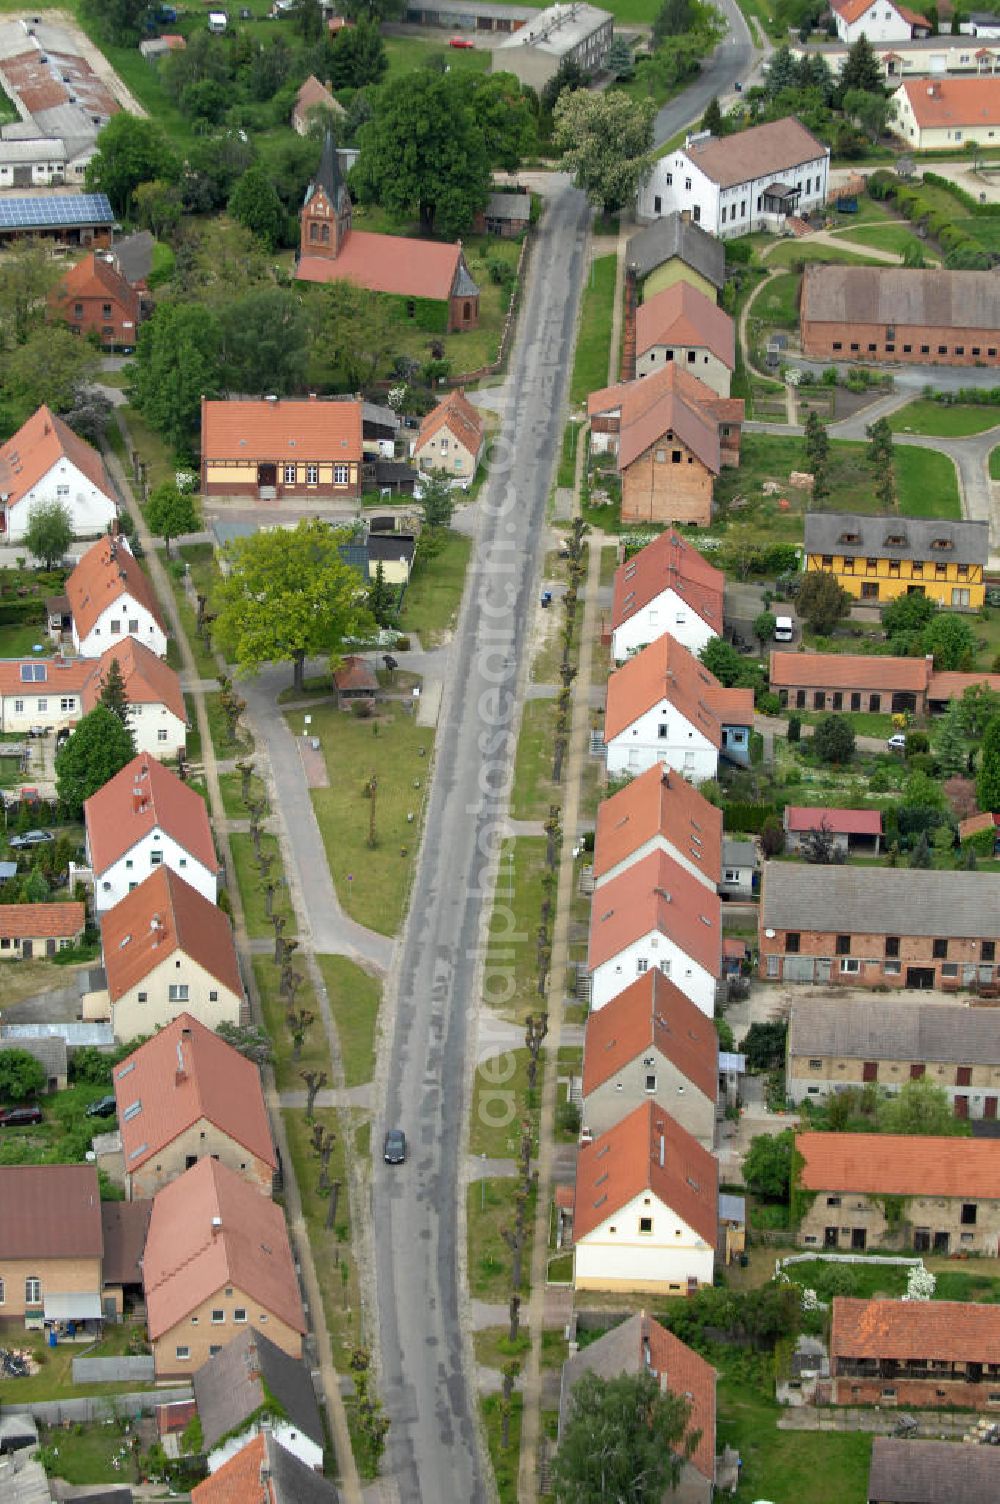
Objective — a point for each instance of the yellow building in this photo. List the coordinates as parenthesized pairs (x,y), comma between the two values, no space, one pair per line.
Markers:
(876,559)
(675,249)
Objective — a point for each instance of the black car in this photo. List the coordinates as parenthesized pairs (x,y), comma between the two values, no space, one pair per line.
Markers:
(31,838)
(19,1117)
(394,1147)
(104,1107)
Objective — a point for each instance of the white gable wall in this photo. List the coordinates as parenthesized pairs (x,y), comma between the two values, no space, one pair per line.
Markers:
(663,735)
(89,508)
(617,1256)
(667,614)
(881,22)
(697,360)
(111,885)
(284,1432)
(654,949)
(157,731)
(124,618)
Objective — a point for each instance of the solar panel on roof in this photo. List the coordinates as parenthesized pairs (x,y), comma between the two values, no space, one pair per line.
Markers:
(61,209)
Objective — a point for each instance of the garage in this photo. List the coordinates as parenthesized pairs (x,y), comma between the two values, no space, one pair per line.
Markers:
(920,977)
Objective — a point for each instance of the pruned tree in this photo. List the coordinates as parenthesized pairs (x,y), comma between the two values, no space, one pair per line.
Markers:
(315,1082)
(536,1026)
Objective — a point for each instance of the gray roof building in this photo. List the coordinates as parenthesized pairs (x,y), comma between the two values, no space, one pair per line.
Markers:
(879,901)
(675,236)
(509,206)
(50,1053)
(900,296)
(857,536)
(292,1482)
(877,1030)
(739,854)
(134,254)
(246,1374)
(932,1472)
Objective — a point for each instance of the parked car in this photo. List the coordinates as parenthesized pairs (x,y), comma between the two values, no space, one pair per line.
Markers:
(394,1147)
(461,42)
(19,1117)
(896,743)
(784,630)
(104,1107)
(31,838)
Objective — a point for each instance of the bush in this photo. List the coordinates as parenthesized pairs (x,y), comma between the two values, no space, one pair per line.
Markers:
(833,739)
(568,1117)
(794,730)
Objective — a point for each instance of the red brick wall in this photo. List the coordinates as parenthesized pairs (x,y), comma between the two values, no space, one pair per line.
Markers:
(884,706)
(463,313)
(660,491)
(914,950)
(92,319)
(914,1393)
(819,341)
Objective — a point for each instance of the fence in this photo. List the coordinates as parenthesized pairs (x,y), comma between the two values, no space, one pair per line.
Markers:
(135,1370)
(846,1258)
(98,1407)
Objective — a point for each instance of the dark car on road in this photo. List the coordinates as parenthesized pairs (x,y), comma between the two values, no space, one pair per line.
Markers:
(394,1147)
(19,1117)
(104,1107)
(31,838)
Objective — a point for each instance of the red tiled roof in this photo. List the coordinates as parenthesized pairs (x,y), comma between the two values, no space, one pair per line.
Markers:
(656,894)
(97,277)
(952,686)
(659,802)
(965,102)
(657,405)
(947,1331)
(355,673)
(975,823)
(682,315)
(388,263)
(314,95)
(669,563)
(852,10)
(62,676)
(457,414)
(849,822)
(39,444)
(895,1164)
(237,1481)
(50,1211)
(290,429)
(106,572)
(143,797)
(647,1151)
(912,16)
(162,915)
(148,680)
(686,1373)
(217,1084)
(41,921)
(186,1261)
(665,670)
(848,671)
(733,948)
(652,1012)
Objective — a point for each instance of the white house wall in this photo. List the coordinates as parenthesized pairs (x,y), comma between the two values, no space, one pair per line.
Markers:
(157,731)
(653,950)
(881,22)
(668,614)
(677,185)
(111,886)
(89,508)
(149,1005)
(115,624)
(681,747)
(285,1434)
(694,359)
(625,1259)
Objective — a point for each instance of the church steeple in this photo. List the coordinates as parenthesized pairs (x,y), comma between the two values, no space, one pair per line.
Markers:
(326,211)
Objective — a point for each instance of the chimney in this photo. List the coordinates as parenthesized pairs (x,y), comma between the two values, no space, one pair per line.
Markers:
(216,1226)
(629,323)
(180,1075)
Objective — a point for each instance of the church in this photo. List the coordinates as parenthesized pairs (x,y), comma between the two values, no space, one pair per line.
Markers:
(430,278)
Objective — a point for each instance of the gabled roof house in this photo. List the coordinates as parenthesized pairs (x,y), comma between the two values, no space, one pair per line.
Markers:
(274,449)
(196,1096)
(93,297)
(669,588)
(157,713)
(684,325)
(914,1353)
(253,1385)
(265,1472)
(45,461)
(111,598)
(451,438)
(658,811)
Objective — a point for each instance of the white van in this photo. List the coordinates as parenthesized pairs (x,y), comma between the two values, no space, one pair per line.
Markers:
(783,629)
(218,21)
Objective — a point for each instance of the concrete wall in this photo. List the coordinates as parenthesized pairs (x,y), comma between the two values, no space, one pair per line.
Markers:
(200,1140)
(935,1216)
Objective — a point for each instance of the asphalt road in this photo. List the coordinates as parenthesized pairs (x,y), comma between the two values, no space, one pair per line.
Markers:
(731,60)
(432,1451)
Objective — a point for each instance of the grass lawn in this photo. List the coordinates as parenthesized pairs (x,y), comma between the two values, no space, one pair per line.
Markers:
(566,474)
(434,594)
(355,997)
(490,1206)
(249,883)
(926,483)
(203,657)
(534,790)
(778,301)
(372,884)
(995,463)
(593,342)
(231,787)
(792,252)
(505,1461)
(314,1054)
(91,1454)
(512,958)
(158,459)
(985,229)
(335,1268)
(947,420)
(218,730)
(500,1101)
(19,639)
(407,54)
(887,236)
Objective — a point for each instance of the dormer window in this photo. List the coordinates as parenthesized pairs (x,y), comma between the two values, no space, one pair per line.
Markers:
(942,544)
(852,539)
(895,540)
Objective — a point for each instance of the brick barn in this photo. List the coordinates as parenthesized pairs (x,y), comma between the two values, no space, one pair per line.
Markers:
(891,313)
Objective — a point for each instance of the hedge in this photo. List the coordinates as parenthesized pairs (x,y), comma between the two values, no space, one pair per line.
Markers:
(967,200)
(22,612)
(747,817)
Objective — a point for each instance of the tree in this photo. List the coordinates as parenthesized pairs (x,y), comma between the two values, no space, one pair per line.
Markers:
(951,641)
(158,206)
(920,1107)
(819,846)
(606,141)
(177,362)
(21,1075)
(171,513)
(821,602)
(907,613)
(567,77)
(672,19)
(976,709)
(131,149)
(356,57)
(98,749)
(988,780)
(371,10)
(437,499)
(308,19)
(624,1441)
(620,62)
(113,693)
(772,836)
(381,598)
(117,21)
(817,454)
(833,739)
(49,531)
(712,119)
(764,624)
(724,662)
(264,341)
(254,203)
(289,594)
(950,747)
(27,274)
(872,112)
(764,1045)
(861,69)
(50,367)
(767,1164)
(881,450)
(424,152)
(921,857)
(504,111)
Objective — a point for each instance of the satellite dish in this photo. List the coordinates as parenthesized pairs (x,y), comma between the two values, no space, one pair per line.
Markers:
(770,936)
